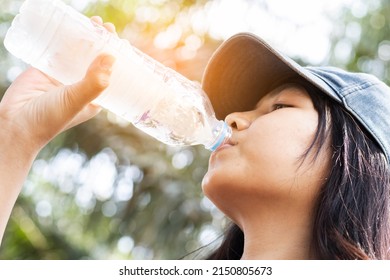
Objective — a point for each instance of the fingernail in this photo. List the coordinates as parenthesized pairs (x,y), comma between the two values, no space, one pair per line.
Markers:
(107,62)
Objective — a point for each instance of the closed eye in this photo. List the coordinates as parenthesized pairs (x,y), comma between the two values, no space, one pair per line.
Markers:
(280,106)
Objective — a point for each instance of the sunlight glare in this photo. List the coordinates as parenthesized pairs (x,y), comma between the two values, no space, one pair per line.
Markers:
(298,28)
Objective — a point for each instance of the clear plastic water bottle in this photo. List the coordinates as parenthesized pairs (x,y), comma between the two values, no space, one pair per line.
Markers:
(61,42)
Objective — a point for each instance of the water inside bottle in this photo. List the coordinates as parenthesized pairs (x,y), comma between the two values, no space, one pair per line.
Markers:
(176,123)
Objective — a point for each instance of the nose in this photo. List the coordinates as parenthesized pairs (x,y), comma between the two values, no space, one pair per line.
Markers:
(238,120)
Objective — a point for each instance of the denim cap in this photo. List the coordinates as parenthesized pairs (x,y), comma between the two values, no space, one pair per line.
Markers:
(245,68)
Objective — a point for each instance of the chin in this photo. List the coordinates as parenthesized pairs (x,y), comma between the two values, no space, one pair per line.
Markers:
(217,183)
(209,182)
(206,181)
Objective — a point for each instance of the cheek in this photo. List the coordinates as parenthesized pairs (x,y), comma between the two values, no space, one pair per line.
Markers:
(282,170)
(277,148)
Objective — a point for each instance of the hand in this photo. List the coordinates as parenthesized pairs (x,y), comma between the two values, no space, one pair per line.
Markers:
(37,108)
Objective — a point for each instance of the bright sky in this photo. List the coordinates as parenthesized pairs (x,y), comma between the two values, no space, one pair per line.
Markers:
(298,28)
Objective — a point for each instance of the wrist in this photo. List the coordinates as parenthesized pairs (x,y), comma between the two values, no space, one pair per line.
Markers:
(16,144)
(16,158)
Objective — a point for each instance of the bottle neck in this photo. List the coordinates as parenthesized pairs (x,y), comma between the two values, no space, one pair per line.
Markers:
(222,134)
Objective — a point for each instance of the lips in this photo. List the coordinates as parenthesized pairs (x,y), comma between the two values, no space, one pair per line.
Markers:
(219,152)
(227,144)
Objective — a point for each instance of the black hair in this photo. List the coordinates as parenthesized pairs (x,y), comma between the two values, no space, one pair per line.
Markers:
(352,219)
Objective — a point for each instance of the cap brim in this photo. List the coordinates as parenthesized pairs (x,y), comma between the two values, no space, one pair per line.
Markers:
(245,68)
(242,70)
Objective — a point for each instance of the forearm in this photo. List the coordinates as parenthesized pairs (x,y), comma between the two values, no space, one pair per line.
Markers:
(16,159)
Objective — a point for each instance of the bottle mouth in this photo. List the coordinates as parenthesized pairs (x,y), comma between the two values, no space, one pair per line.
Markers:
(223,133)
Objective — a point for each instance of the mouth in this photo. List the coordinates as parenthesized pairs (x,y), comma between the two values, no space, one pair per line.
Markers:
(227,144)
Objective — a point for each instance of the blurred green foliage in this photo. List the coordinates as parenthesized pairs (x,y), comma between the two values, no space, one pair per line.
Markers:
(104,190)
(361,39)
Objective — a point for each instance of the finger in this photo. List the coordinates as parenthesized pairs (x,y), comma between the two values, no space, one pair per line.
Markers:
(110,27)
(77,96)
(98,20)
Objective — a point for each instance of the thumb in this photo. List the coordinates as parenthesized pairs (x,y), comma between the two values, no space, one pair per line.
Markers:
(96,80)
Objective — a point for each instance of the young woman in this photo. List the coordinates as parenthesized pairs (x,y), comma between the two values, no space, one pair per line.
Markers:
(326,194)
(305,174)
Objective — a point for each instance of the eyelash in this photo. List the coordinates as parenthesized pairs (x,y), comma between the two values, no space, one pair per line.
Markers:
(279,106)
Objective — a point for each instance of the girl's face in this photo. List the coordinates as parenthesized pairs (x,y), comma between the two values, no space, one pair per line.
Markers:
(261,168)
